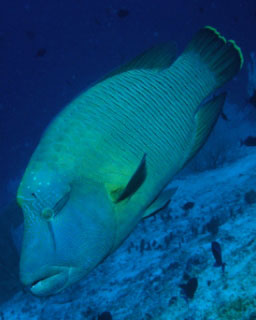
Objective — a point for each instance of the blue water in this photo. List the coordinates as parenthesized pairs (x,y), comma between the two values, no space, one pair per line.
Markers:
(82,41)
(50,51)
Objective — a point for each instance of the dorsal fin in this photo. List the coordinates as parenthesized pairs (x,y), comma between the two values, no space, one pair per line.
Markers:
(206,118)
(157,58)
(134,183)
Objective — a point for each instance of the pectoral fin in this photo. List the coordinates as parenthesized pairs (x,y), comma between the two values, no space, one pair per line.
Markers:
(160,202)
(134,183)
(205,119)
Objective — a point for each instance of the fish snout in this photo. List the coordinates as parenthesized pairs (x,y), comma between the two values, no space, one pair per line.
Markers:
(47,281)
(40,270)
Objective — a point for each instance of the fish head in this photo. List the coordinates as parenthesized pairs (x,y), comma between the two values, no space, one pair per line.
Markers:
(68,229)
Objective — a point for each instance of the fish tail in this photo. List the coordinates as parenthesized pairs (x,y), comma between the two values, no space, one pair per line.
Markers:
(224,58)
(208,61)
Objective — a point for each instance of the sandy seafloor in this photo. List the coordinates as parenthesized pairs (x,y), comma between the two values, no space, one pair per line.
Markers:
(140,281)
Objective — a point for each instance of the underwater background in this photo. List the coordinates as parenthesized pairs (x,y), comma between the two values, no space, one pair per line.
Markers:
(50,51)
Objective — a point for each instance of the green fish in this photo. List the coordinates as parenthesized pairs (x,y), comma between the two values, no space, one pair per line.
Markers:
(103,163)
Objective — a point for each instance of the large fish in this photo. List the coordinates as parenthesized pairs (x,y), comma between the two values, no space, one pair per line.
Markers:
(104,161)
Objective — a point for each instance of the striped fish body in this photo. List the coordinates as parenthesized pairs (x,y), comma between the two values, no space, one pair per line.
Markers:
(142,117)
(143,111)
(124,118)
(112,125)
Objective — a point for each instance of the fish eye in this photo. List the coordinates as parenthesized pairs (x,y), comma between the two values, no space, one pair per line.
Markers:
(49,213)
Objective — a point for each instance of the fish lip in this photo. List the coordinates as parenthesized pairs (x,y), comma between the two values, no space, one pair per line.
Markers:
(50,284)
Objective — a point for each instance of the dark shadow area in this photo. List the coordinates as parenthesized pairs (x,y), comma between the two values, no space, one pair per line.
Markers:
(10,219)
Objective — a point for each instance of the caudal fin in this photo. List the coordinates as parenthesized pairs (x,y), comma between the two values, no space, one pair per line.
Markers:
(224,58)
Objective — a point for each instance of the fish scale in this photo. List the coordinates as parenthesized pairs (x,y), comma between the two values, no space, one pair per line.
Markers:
(104,162)
(123,110)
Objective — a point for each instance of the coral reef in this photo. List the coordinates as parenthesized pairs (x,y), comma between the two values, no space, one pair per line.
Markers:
(142,279)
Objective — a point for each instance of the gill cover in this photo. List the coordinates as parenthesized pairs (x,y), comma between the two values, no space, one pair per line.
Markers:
(43,192)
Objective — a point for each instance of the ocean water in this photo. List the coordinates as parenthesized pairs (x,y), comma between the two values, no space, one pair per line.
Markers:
(50,51)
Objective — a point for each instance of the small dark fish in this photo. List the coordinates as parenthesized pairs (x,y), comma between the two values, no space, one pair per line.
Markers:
(41,52)
(250,197)
(249,141)
(252,99)
(105,316)
(188,205)
(216,251)
(201,10)
(189,288)
(224,117)
(123,13)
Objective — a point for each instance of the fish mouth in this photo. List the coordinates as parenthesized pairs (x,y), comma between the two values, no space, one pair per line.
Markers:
(50,284)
